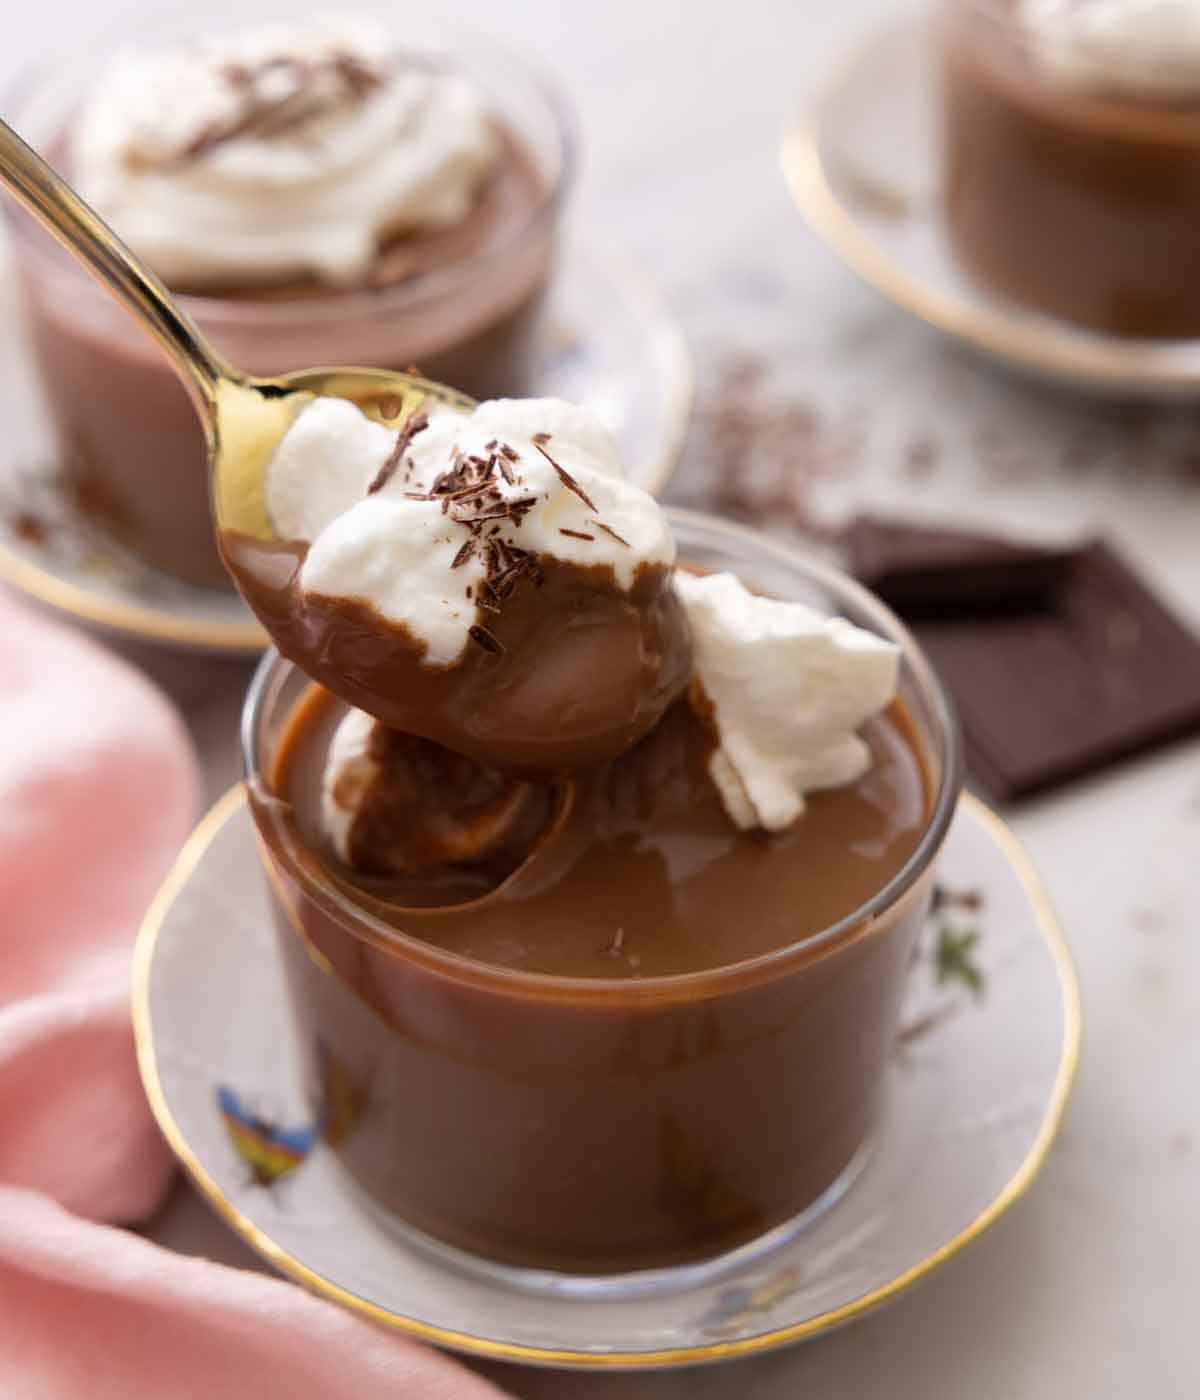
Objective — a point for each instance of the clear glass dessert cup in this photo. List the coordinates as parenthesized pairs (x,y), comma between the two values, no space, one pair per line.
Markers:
(606,1137)
(130,448)
(1070,188)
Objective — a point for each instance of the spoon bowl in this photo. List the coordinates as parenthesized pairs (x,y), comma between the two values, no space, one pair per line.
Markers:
(248,417)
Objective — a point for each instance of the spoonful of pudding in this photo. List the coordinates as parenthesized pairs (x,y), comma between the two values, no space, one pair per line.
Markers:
(482,576)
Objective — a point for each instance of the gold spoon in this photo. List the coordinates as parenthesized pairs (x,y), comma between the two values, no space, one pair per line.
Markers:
(243,417)
(496,707)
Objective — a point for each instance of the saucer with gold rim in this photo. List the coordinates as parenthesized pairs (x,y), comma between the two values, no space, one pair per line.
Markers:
(862,162)
(983,1064)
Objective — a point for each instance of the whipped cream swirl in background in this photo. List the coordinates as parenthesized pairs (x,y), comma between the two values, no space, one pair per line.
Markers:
(1149,48)
(278,152)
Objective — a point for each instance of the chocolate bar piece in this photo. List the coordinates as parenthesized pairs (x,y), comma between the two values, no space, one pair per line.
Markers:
(919,570)
(1104,672)
(1054,675)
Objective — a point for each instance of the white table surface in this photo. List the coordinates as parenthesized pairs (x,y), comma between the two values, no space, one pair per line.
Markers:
(1089,1287)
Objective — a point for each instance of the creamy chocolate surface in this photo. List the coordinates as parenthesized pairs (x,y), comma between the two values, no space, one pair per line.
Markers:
(569,671)
(636,869)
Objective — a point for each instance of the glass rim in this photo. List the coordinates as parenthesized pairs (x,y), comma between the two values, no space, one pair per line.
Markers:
(337,303)
(673,986)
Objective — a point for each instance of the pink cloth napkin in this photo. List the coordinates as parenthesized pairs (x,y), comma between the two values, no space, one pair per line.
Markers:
(98,788)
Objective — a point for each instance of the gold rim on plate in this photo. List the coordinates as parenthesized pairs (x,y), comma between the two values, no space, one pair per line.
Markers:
(135,621)
(1023,339)
(190,858)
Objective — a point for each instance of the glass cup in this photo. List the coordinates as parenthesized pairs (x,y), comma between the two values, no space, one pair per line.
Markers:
(602,1135)
(128,439)
(1068,188)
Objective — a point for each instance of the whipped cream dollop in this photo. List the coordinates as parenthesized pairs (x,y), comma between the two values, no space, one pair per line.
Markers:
(278,152)
(788,689)
(1140,47)
(351,771)
(534,480)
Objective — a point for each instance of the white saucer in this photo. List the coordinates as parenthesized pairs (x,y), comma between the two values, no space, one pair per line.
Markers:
(977,1089)
(862,164)
(609,342)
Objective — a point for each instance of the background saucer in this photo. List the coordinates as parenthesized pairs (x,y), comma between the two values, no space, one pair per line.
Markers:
(862,162)
(609,342)
(983,1066)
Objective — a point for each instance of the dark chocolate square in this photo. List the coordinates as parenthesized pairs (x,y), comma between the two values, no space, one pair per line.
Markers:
(1102,671)
(920,570)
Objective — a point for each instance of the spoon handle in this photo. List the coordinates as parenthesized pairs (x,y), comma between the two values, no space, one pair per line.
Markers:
(81,230)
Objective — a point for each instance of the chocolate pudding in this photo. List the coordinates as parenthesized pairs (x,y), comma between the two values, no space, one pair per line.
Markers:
(459,297)
(592,1023)
(514,700)
(1072,160)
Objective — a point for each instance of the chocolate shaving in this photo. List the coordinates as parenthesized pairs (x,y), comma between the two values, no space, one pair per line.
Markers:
(464,553)
(485,639)
(575,534)
(416,424)
(563,475)
(319,88)
(608,530)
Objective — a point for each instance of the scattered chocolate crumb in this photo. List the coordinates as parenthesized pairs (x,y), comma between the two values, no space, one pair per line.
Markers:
(920,1026)
(540,439)
(970,899)
(761,451)
(1148,920)
(575,534)
(921,457)
(480,635)
(30,528)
